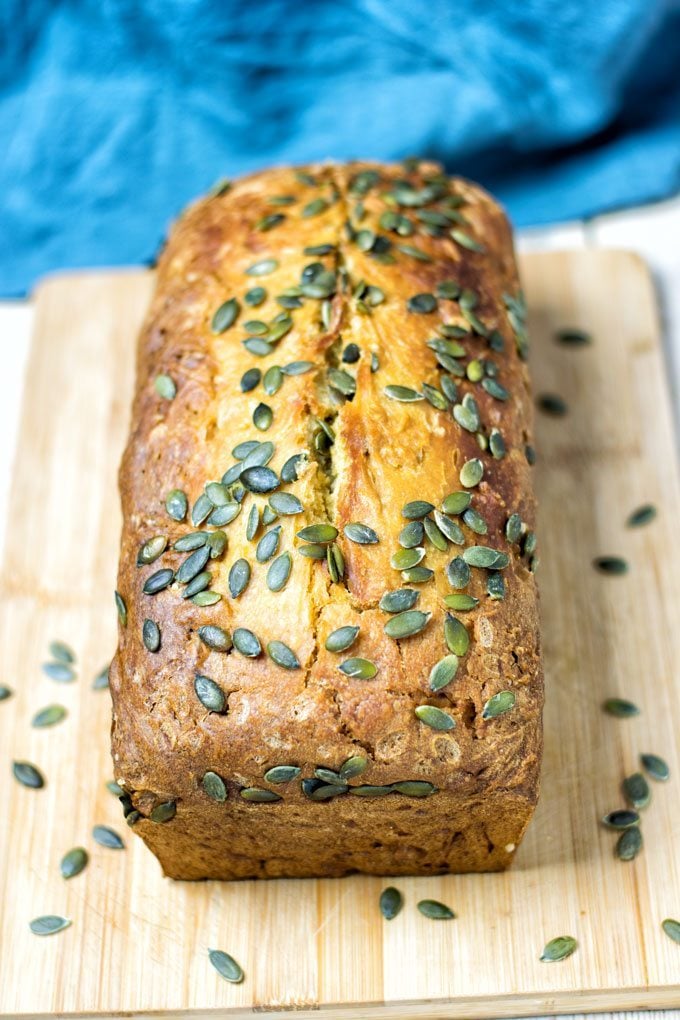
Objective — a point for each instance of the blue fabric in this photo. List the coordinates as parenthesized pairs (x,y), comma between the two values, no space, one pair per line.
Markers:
(115,113)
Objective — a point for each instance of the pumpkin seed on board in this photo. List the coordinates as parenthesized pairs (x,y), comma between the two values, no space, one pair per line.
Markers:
(341,639)
(636,791)
(643,515)
(282,655)
(73,862)
(573,337)
(101,681)
(391,901)
(613,565)
(210,694)
(623,818)
(5,692)
(435,911)
(620,708)
(360,533)
(49,716)
(435,718)
(28,775)
(49,924)
(558,949)
(406,624)
(62,652)
(281,774)
(629,844)
(655,767)
(358,669)
(226,966)
(552,404)
(107,837)
(672,929)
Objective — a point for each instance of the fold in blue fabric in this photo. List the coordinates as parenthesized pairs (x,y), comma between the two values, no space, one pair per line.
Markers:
(115,113)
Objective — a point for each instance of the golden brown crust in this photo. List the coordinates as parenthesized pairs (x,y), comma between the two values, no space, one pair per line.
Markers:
(385,454)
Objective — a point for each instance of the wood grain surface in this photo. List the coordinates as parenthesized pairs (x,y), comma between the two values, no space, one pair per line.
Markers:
(138,943)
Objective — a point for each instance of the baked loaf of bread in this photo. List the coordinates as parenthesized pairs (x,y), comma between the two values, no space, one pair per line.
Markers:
(329,649)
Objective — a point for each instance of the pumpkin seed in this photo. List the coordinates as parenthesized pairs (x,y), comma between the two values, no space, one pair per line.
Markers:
(513,528)
(414,788)
(318,533)
(466,416)
(551,404)
(613,565)
(250,379)
(629,844)
(456,636)
(391,902)
(530,454)
(417,508)
(215,637)
(458,573)
(285,503)
(403,559)
(253,522)
(328,776)
(370,791)
(272,380)
(262,417)
(214,786)
(239,576)
(193,565)
(443,672)
(270,221)
(499,704)
(282,655)
(636,790)
(176,504)
(49,716)
(643,515)
(341,639)
(62,652)
(225,316)
(149,552)
(456,502)
(414,253)
(262,268)
(448,289)
(165,387)
(268,544)
(313,208)
(573,337)
(246,643)
(210,695)
(461,603)
(656,767)
(5,692)
(73,862)
(450,529)
(200,510)
(107,837)
(435,717)
(48,924)
(422,303)
(259,479)
(404,394)
(254,297)
(495,585)
(435,536)
(163,812)
(218,493)
(620,708)
(59,671)
(358,669)
(417,575)
(101,681)
(279,572)
(483,556)
(399,600)
(297,367)
(411,535)
(406,624)
(672,929)
(360,533)
(558,949)
(282,774)
(257,795)
(206,598)
(121,609)
(226,966)
(197,585)
(465,241)
(158,581)
(435,911)
(621,819)
(313,551)
(353,767)
(342,381)
(471,473)
(28,775)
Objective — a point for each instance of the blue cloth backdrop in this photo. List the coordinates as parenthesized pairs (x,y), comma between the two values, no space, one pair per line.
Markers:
(115,113)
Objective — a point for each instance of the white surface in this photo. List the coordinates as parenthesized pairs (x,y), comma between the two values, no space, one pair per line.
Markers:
(651,231)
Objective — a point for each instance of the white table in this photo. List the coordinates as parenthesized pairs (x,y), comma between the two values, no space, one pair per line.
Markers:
(651,231)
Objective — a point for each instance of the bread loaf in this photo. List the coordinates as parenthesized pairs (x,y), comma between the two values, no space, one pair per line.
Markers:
(329,649)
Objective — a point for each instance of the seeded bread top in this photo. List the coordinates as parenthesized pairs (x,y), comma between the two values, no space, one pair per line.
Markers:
(331,429)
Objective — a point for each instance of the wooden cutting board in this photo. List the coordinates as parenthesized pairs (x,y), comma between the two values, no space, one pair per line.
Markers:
(138,943)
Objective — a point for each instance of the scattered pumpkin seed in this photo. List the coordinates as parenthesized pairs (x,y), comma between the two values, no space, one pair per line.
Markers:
(456,636)
(456,502)
(435,911)
(636,791)
(399,600)
(28,775)
(416,509)
(495,585)
(215,637)
(48,924)
(157,582)
(107,837)
(404,394)
(475,522)
(620,707)
(406,624)
(391,902)
(483,556)
(62,652)
(279,572)
(268,544)
(551,404)
(214,786)
(239,576)
(247,643)
(458,573)
(462,603)
(471,473)
(59,671)
(360,533)
(225,316)
(613,565)
(226,966)
(192,565)
(270,221)
(281,774)
(369,790)
(318,533)
(122,614)
(573,337)
(655,766)
(558,949)
(200,510)
(443,672)
(414,788)
(165,387)
(49,716)
(163,812)
(358,669)
(643,515)
(149,552)
(257,795)
(176,504)
(352,767)
(403,559)
(435,717)
(623,818)
(73,862)
(498,704)
(417,575)
(262,417)
(672,929)
(198,585)
(629,844)
(411,535)
(285,503)
(513,528)
(282,655)
(341,639)
(210,695)
(262,268)
(101,681)
(5,692)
